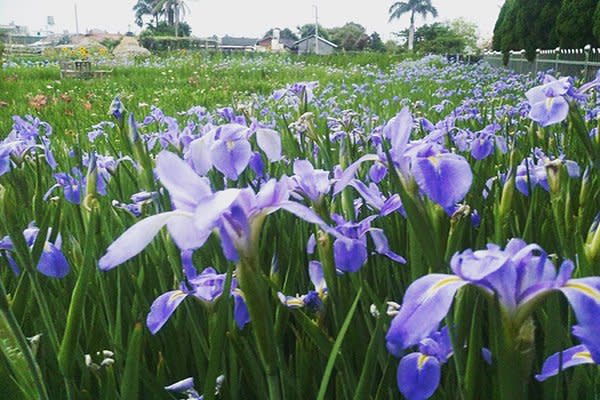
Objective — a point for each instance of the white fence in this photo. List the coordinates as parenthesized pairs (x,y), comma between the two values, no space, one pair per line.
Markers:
(573,62)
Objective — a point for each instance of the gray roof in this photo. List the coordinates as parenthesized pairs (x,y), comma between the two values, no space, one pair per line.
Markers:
(320,40)
(238,41)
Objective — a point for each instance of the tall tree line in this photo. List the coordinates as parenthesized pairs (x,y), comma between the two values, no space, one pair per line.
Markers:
(546,24)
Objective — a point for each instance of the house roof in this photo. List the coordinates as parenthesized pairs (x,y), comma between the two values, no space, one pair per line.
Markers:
(285,41)
(238,41)
(320,40)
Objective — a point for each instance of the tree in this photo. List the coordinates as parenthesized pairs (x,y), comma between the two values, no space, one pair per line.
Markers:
(375,42)
(307,30)
(438,38)
(527,24)
(412,7)
(164,29)
(467,31)
(596,26)
(574,23)
(143,8)
(534,25)
(505,37)
(174,10)
(351,36)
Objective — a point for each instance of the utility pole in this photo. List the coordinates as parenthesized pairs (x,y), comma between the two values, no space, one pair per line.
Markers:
(76,20)
(316,28)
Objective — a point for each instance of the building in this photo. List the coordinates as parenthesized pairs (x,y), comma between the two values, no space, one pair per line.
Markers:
(274,43)
(229,43)
(315,45)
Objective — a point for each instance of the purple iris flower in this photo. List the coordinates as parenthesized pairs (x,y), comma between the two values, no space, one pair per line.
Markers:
(419,372)
(483,145)
(228,114)
(443,176)
(313,300)
(138,201)
(530,174)
(300,90)
(52,261)
(228,149)
(376,200)
(517,276)
(28,135)
(310,182)
(548,103)
(207,286)
(350,247)
(234,213)
(116,109)
(73,185)
(187,191)
(99,130)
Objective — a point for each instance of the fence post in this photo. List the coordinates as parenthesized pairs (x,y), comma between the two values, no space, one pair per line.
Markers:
(535,65)
(586,72)
(557,50)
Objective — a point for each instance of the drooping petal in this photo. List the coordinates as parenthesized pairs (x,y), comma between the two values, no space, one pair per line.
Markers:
(426,302)
(418,376)
(382,247)
(134,240)
(240,310)
(53,262)
(269,141)
(584,296)
(560,361)
(349,254)
(162,308)
(550,111)
(445,178)
(231,157)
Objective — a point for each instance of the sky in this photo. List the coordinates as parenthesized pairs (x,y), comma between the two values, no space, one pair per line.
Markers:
(249,18)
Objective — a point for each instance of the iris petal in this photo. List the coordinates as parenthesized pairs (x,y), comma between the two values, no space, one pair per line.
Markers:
(53,262)
(162,308)
(426,302)
(134,240)
(270,142)
(568,358)
(418,376)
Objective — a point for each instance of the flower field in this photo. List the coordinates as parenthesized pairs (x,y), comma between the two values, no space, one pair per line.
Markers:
(238,227)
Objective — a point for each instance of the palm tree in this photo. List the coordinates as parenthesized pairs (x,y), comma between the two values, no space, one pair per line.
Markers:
(145,7)
(421,7)
(175,10)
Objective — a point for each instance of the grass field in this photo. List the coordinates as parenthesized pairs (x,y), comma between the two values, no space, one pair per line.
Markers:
(319,191)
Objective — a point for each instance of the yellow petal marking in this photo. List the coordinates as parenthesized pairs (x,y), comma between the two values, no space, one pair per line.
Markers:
(585,289)
(421,361)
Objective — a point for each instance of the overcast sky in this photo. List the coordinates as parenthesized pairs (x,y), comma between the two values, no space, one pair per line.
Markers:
(241,17)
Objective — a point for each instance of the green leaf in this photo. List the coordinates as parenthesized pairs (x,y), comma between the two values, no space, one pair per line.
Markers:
(336,348)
